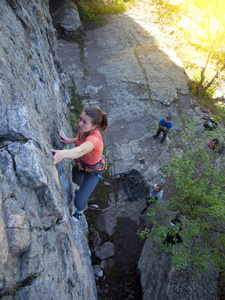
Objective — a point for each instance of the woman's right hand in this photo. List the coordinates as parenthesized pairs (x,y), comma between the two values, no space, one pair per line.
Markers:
(58,155)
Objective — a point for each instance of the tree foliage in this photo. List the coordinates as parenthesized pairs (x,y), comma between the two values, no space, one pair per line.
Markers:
(209,18)
(197,182)
(91,10)
(204,28)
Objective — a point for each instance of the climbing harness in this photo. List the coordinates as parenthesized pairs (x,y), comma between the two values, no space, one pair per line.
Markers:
(101,165)
(92,169)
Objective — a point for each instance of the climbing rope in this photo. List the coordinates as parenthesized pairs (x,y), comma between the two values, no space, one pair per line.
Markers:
(134,185)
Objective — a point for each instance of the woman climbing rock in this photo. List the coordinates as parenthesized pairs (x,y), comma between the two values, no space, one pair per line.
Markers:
(88,155)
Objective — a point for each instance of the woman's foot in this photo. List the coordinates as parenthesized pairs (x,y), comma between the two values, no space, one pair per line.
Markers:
(77,216)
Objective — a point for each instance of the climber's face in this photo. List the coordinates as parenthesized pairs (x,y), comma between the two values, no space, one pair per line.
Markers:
(85,123)
(156,188)
(167,120)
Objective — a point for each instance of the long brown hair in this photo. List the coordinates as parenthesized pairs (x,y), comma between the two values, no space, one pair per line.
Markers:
(97,118)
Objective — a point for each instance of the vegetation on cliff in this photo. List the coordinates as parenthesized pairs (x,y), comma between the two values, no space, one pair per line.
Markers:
(94,10)
(195,175)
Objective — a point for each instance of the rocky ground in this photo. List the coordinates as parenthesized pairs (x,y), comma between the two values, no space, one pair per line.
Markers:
(135,75)
(120,278)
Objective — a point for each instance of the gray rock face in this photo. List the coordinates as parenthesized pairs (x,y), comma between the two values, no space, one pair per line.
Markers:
(43,253)
(160,281)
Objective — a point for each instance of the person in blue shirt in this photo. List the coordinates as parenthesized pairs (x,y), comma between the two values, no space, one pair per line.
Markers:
(164,126)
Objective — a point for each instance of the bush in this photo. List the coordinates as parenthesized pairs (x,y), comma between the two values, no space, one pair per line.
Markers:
(90,10)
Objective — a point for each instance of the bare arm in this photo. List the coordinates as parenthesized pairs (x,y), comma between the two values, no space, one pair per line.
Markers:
(73,153)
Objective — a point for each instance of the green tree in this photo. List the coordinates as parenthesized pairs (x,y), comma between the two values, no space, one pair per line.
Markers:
(209,19)
(203,26)
(197,183)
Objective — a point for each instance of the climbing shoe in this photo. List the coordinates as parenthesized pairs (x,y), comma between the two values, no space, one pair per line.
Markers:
(76,216)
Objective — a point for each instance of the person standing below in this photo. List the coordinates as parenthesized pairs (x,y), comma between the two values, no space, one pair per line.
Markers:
(155,194)
(88,155)
(164,126)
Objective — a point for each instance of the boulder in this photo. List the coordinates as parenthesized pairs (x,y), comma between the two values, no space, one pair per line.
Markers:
(70,21)
(160,280)
(98,271)
(104,251)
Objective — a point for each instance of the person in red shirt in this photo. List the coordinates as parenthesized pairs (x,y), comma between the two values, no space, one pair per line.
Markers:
(88,155)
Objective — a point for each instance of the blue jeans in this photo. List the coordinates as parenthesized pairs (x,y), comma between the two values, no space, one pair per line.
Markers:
(87,182)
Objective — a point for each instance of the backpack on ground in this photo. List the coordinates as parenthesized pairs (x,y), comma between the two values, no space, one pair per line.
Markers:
(216,146)
(173,239)
(210,124)
(213,143)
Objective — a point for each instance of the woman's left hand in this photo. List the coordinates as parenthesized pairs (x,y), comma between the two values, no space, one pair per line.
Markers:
(66,140)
